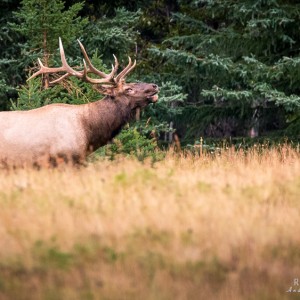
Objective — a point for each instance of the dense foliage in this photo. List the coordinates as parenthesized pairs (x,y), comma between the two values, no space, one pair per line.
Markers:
(225,67)
(240,58)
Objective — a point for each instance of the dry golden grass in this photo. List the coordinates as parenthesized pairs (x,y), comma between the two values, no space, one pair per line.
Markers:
(187,228)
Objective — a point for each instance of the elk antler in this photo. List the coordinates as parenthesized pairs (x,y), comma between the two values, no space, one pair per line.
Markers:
(128,69)
(88,68)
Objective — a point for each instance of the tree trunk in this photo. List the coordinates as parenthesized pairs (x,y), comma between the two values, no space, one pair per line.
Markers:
(171,132)
(46,61)
(177,142)
(254,130)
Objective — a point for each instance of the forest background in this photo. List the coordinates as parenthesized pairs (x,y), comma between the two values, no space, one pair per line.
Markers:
(226,68)
(219,225)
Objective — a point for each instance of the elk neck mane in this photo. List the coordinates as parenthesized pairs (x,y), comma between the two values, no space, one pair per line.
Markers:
(104,119)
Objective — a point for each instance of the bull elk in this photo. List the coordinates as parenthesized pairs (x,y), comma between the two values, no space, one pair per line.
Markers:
(68,133)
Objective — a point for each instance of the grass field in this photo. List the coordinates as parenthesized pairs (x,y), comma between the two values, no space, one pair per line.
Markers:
(224,227)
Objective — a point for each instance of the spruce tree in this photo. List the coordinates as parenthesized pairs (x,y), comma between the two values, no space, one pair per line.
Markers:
(117,34)
(239,57)
(10,66)
(41,22)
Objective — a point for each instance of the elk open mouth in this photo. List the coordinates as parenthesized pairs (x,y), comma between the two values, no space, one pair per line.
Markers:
(153,98)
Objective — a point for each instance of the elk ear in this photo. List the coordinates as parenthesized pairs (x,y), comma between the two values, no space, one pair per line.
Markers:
(106,90)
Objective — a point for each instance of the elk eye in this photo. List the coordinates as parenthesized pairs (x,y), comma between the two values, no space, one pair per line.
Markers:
(129,90)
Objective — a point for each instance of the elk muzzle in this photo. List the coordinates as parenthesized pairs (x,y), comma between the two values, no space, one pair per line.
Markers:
(154,97)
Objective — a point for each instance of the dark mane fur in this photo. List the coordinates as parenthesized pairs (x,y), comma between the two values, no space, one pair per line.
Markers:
(104,119)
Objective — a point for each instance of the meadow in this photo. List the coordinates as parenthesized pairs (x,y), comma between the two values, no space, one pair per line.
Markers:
(225,226)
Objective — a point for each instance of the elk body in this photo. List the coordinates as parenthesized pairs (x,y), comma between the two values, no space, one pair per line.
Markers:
(68,133)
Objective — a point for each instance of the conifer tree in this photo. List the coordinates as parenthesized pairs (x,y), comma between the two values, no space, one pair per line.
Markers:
(242,55)
(10,69)
(41,22)
(113,35)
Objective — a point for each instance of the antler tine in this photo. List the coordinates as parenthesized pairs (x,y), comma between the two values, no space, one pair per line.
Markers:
(45,70)
(60,78)
(38,72)
(94,70)
(67,68)
(122,74)
(126,70)
(91,67)
(131,68)
(116,63)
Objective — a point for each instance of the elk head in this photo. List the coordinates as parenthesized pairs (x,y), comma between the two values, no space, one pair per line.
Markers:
(112,85)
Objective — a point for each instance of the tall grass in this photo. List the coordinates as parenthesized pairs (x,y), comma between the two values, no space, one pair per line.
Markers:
(189,227)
